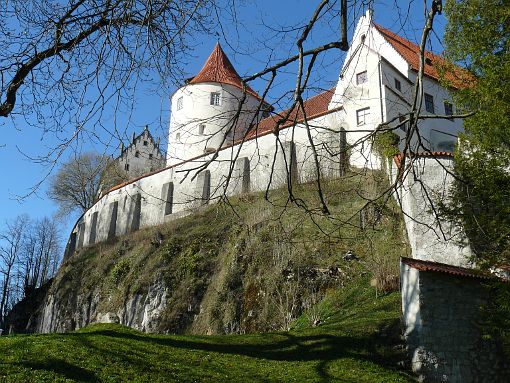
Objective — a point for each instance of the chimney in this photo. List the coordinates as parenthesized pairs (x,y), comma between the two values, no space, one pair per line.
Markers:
(133,139)
(121,148)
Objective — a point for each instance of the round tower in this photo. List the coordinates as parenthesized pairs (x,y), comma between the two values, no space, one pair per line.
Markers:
(208,112)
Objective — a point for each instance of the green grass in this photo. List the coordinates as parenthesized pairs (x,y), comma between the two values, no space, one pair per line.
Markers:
(357,342)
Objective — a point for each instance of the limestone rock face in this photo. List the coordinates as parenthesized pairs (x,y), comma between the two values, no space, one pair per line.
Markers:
(142,311)
(63,313)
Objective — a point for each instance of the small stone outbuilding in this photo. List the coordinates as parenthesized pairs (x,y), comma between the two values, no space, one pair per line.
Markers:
(441,307)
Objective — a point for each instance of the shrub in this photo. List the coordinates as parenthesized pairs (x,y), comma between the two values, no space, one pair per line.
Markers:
(120,271)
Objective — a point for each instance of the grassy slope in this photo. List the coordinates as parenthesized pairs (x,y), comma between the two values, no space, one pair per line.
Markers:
(229,272)
(354,344)
(233,265)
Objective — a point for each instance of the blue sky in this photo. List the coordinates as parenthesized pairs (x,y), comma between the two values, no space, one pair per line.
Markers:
(248,43)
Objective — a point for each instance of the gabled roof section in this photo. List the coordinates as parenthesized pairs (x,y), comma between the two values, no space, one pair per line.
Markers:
(457,77)
(315,106)
(135,138)
(218,68)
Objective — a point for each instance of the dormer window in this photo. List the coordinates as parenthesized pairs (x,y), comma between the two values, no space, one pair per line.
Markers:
(361,78)
(179,103)
(215,98)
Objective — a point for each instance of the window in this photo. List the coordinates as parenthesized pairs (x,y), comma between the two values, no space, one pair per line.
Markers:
(429,103)
(201,129)
(178,136)
(265,114)
(402,126)
(150,156)
(215,98)
(126,167)
(361,78)
(362,116)
(398,86)
(448,108)
(145,143)
(179,103)
(137,154)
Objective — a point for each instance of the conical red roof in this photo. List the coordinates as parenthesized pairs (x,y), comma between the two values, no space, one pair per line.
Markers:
(218,68)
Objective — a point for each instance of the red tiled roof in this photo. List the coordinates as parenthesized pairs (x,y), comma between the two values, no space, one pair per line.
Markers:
(398,157)
(315,106)
(218,68)
(457,77)
(421,265)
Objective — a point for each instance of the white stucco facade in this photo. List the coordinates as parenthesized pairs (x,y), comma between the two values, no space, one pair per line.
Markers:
(386,69)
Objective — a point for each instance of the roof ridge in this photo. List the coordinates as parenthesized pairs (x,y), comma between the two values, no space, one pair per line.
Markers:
(314,106)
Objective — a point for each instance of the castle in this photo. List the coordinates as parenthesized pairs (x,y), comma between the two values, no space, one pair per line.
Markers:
(222,134)
(225,139)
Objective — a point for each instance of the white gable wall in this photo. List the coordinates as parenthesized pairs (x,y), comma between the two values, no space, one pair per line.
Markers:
(384,64)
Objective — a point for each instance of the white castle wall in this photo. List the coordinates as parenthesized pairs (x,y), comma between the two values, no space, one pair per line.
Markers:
(420,191)
(253,167)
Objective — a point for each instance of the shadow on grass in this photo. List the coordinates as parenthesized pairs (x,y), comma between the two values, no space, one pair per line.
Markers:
(285,347)
(63,368)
